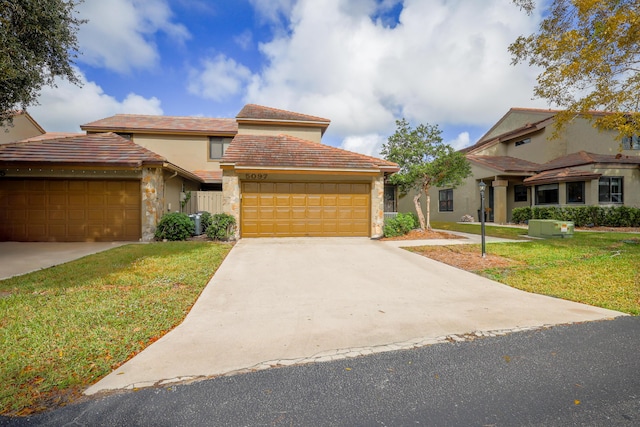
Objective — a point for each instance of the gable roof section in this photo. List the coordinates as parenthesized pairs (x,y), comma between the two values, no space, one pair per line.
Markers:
(526,129)
(137,123)
(209,177)
(258,114)
(51,135)
(287,152)
(517,118)
(561,175)
(505,163)
(583,158)
(93,150)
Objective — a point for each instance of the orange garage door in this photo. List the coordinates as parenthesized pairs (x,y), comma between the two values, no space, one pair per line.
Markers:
(290,209)
(34,210)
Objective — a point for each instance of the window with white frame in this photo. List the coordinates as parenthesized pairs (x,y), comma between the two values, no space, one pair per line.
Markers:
(610,189)
(218,146)
(445,198)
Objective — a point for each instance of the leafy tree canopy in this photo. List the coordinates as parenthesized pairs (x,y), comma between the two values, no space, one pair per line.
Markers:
(589,53)
(425,161)
(37,44)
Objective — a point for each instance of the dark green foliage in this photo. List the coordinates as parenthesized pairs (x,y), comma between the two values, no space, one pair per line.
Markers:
(582,216)
(222,227)
(175,226)
(205,220)
(37,44)
(400,225)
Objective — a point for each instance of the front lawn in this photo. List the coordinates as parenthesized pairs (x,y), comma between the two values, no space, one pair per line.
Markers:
(63,328)
(599,269)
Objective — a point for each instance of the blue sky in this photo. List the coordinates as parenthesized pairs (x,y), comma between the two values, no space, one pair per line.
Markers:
(360,63)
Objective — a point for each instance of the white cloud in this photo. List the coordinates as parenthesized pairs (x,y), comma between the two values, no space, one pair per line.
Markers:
(66,107)
(119,34)
(445,62)
(461,141)
(365,144)
(219,79)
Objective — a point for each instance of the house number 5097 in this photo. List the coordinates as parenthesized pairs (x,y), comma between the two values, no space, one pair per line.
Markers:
(256,176)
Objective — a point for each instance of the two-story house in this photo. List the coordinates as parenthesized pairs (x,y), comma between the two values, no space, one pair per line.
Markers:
(522,165)
(268,166)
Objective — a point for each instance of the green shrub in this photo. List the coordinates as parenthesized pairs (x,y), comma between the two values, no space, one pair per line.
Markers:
(175,226)
(582,216)
(400,225)
(223,227)
(205,220)
(521,215)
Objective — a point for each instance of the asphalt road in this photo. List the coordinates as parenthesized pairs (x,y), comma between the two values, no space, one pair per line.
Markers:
(583,375)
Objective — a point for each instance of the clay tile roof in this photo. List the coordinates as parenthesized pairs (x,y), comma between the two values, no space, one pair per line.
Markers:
(164,124)
(561,175)
(505,163)
(284,151)
(51,135)
(259,112)
(95,149)
(209,177)
(584,158)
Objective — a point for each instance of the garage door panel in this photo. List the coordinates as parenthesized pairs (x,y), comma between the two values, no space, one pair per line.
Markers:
(298,200)
(77,215)
(70,210)
(305,209)
(59,186)
(283,214)
(16,200)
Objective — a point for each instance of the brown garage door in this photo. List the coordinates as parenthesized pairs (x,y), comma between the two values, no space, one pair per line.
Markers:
(289,209)
(34,210)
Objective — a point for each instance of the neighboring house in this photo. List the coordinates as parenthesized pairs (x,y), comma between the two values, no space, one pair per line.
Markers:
(116,182)
(23,126)
(523,166)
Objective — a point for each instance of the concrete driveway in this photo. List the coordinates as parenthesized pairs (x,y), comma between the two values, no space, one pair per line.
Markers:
(285,301)
(24,257)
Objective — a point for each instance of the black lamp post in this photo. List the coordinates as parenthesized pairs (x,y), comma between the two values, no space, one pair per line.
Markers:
(482,187)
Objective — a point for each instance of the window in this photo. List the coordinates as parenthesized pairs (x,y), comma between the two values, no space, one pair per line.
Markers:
(631,142)
(125,135)
(218,146)
(390,198)
(547,194)
(523,141)
(610,189)
(520,193)
(575,192)
(446,200)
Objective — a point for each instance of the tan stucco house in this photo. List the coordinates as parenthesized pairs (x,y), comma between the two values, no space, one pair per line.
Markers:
(523,166)
(268,167)
(23,126)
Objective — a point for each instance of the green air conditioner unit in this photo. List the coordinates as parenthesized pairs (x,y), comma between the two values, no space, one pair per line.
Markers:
(545,228)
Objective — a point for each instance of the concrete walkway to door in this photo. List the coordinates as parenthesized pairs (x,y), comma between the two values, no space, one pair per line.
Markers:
(286,301)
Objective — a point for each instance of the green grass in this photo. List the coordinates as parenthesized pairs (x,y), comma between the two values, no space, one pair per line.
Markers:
(63,328)
(599,269)
(515,233)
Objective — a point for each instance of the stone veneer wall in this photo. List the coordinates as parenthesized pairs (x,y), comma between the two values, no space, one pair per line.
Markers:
(231,197)
(152,201)
(377,207)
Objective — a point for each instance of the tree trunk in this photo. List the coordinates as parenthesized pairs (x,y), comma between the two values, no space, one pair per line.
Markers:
(426,193)
(416,202)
